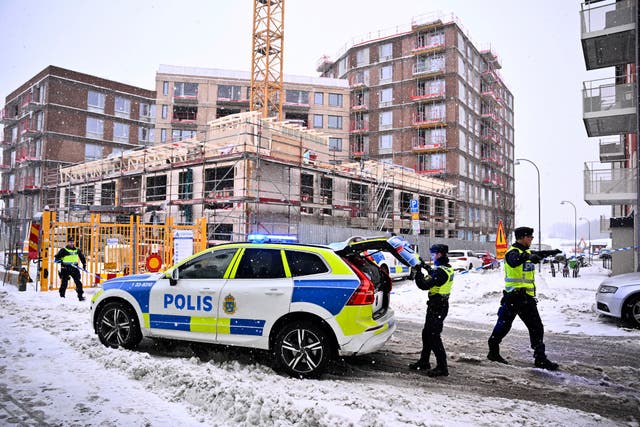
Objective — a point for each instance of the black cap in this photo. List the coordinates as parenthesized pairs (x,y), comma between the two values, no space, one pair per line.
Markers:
(521,232)
(439,248)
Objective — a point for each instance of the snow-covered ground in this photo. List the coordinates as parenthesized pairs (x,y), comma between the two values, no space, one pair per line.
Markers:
(54,371)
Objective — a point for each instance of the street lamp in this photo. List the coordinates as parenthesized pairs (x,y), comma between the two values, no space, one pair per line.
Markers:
(588,222)
(575,226)
(517,162)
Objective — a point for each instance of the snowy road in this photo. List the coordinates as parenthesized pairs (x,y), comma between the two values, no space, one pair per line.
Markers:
(54,371)
(598,374)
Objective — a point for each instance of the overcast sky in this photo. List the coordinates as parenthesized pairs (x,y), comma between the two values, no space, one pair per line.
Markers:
(538,44)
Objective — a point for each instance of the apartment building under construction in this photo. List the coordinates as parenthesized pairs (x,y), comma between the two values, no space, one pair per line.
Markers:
(427,98)
(247,174)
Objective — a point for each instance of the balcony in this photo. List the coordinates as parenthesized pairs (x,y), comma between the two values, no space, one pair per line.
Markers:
(609,108)
(424,94)
(609,186)
(425,70)
(6,118)
(359,80)
(27,184)
(608,33)
(425,120)
(424,145)
(359,126)
(612,150)
(31,102)
(490,135)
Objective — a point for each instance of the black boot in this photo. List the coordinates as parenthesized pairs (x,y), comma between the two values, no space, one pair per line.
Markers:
(494,354)
(544,363)
(420,365)
(438,371)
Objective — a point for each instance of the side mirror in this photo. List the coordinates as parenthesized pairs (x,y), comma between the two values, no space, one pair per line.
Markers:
(175,275)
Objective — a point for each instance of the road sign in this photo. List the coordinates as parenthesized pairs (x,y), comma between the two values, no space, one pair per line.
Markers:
(413,206)
(501,242)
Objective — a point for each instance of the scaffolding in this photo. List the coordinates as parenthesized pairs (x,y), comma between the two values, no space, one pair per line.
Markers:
(249,174)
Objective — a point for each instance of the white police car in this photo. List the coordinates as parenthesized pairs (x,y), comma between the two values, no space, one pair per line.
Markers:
(304,303)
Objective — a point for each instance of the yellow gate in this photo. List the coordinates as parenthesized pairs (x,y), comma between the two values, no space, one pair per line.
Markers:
(112,250)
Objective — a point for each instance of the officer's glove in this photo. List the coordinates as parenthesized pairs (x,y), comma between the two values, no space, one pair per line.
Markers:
(57,261)
(534,258)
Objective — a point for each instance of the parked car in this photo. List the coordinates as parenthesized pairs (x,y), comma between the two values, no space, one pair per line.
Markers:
(489,260)
(619,296)
(464,259)
(303,303)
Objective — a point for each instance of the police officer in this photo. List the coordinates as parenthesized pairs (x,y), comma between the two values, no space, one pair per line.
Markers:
(438,282)
(519,299)
(70,256)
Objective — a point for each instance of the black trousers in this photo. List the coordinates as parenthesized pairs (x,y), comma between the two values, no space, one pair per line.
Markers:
(65,274)
(518,303)
(437,310)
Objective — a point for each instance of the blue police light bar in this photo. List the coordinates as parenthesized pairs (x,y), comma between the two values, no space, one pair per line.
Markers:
(272,238)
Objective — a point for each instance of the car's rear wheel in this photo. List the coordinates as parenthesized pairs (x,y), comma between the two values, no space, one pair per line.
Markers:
(302,349)
(117,326)
(632,311)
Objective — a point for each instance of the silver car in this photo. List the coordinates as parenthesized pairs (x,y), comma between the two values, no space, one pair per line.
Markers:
(619,296)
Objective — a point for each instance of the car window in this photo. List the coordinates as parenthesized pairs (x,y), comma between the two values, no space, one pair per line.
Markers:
(210,265)
(305,263)
(456,254)
(257,263)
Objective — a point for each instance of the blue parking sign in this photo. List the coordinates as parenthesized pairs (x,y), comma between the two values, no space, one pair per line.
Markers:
(413,206)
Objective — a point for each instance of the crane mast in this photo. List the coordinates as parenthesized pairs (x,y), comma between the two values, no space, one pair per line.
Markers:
(267,52)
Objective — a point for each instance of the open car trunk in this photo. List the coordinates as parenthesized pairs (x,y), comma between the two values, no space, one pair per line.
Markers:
(352,250)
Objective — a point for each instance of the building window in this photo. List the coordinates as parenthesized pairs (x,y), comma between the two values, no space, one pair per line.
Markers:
(220,232)
(405,204)
(229,93)
(358,199)
(386,144)
(386,97)
(185,90)
(386,120)
(334,122)
(318,98)
(95,102)
(108,194)
(306,192)
(145,135)
(92,152)
(335,144)
(362,57)
(87,194)
(180,134)
(184,113)
(386,74)
(122,107)
(386,51)
(318,121)
(156,188)
(326,194)
(299,97)
(424,207)
(165,111)
(163,135)
(218,184)
(120,132)
(185,185)
(165,88)
(95,128)
(147,112)
(335,99)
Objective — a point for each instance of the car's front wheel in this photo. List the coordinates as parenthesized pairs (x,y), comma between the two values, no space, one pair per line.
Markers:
(117,326)
(632,311)
(302,349)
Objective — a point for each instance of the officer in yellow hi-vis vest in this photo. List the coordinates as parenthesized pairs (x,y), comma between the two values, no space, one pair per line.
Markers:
(519,298)
(438,283)
(70,257)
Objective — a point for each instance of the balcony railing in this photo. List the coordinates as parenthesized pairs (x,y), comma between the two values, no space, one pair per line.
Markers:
(609,107)
(609,186)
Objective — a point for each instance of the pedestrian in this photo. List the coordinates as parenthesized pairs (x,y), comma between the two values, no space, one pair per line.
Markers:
(519,299)
(70,257)
(23,278)
(438,282)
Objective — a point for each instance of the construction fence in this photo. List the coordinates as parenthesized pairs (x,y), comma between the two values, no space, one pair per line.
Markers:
(114,250)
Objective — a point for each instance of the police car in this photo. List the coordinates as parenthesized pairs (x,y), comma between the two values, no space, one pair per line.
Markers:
(303,303)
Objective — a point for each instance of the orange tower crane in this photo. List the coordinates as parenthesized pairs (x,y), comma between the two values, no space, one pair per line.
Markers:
(266,68)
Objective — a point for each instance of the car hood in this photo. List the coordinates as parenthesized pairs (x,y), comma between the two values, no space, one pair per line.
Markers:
(628,279)
(395,245)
